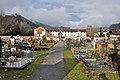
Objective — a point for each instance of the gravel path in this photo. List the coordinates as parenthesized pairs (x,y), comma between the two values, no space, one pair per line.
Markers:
(52,67)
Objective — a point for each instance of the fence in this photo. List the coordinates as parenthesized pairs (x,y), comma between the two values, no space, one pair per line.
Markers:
(17,63)
(21,62)
(91,64)
(97,66)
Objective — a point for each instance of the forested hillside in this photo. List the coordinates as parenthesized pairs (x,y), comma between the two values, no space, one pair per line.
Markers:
(15,24)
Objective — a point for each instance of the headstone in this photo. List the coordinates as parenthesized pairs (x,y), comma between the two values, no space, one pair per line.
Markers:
(13,49)
(12,41)
(11,58)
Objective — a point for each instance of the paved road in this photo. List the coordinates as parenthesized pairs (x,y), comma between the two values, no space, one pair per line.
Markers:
(52,67)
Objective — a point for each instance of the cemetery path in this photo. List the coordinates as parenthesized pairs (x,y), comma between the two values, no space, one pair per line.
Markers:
(52,67)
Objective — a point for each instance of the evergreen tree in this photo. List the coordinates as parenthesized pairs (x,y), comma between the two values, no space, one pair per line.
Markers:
(44,38)
(101,32)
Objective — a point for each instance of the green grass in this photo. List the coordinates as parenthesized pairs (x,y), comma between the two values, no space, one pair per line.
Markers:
(22,74)
(70,61)
(75,70)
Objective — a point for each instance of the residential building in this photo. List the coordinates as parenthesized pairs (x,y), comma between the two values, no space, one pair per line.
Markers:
(59,33)
(39,32)
(115,33)
(69,33)
(105,33)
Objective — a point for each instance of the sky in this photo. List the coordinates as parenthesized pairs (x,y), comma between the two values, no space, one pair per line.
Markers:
(70,13)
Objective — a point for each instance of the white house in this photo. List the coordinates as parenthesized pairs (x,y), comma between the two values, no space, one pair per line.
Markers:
(69,33)
(58,34)
(115,33)
(53,38)
(104,32)
(39,32)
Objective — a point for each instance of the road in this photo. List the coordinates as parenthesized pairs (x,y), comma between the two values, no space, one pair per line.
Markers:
(52,67)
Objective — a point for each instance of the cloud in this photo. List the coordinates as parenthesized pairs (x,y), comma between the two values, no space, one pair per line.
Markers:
(56,16)
(73,13)
(99,13)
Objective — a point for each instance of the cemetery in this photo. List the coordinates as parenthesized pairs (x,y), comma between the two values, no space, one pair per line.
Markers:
(17,53)
(101,57)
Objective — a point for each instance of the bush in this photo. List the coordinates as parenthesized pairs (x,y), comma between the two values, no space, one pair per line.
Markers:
(44,38)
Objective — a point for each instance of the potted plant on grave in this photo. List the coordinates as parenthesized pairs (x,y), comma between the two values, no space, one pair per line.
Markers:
(17,53)
(6,54)
(90,54)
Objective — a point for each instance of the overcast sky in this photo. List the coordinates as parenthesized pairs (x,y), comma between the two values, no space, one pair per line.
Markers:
(73,13)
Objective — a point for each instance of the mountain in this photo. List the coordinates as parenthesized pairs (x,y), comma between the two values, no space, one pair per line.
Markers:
(96,29)
(22,19)
(48,27)
(115,26)
(16,25)
(19,25)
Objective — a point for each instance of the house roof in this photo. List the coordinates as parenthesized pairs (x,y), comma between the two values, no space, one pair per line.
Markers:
(39,30)
(115,31)
(53,37)
(25,36)
(70,30)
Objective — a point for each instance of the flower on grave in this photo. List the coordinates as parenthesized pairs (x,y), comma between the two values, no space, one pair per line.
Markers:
(4,51)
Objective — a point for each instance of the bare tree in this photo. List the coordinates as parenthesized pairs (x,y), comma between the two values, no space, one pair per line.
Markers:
(8,24)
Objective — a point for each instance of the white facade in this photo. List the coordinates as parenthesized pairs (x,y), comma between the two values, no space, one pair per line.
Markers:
(105,33)
(69,34)
(53,33)
(112,35)
(39,31)
(115,33)
(53,38)
(56,34)
(83,34)
(35,33)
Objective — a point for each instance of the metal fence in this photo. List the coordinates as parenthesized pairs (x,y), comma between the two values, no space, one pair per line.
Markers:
(21,62)
(97,66)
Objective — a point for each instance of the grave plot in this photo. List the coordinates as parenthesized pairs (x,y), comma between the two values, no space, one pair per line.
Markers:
(93,59)
(16,54)
(17,59)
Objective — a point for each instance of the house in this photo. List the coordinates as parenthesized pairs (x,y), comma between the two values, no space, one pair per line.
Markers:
(59,33)
(105,33)
(70,33)
(56,38)
(39,32)
(115,33)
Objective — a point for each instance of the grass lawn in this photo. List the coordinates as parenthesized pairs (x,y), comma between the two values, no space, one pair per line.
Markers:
(75,70)
(24,73)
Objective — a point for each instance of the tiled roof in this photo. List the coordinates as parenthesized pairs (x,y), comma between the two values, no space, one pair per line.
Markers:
(53,37)
(71,30)
(25,36)
(39,30)
(115,31)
